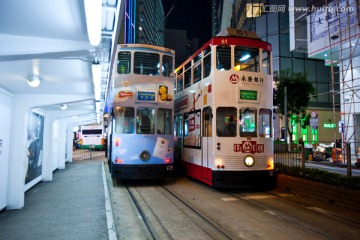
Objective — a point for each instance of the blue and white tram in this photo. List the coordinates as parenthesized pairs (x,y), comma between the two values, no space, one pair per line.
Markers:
(140,126)
(223,112)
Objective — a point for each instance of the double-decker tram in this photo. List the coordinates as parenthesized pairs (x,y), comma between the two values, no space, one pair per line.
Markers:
(141,137)
(223,112)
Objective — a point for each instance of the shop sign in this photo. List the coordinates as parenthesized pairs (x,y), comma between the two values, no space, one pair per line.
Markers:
(329,125)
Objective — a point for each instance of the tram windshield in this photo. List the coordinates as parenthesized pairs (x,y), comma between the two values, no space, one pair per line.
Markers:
(124,120)
(247,122)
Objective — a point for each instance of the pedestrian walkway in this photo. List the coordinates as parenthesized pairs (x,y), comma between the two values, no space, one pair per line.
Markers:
(72,206)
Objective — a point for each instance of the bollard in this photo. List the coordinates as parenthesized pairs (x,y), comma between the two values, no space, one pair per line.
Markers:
(348,159)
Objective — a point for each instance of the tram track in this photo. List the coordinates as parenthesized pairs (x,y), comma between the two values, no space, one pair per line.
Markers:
(295,219)
(195,224)
(186,209)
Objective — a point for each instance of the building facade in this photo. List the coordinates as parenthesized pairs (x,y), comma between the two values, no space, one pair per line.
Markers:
(143,22)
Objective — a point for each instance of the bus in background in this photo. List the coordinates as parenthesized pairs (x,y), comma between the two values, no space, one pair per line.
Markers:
(141,137)
(91,136)
(223,112)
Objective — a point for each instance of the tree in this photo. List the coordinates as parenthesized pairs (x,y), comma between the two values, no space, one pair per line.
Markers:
(299,90)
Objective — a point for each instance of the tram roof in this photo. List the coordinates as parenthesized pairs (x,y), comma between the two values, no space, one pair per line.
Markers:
(145,46)
(246,39)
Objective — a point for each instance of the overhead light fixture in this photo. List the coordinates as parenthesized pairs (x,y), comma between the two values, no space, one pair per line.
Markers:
(63,106)
(33,81)
(93,13)
(96,72)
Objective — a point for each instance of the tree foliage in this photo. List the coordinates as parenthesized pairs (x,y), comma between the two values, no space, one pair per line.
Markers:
(299,90)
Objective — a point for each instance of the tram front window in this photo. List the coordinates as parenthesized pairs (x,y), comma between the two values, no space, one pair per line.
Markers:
(226,121)
(145,122)
(246,59)
(247,122)
(223,57)
(124,120)
(163,121)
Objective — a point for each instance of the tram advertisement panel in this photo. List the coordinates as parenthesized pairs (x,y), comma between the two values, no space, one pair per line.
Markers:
(192,129)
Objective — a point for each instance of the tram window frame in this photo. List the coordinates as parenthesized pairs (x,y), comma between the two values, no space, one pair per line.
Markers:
(223,57)
(124,124)
(142,127)
(164,121)
(207,122)
(178,125)
(265,116)
(251,64)
(207,62)
(146,63)
(226,121)
(187,75)
(243,126)
(167,65)
(180,80)
(265,59)
(124,62)
(197,68)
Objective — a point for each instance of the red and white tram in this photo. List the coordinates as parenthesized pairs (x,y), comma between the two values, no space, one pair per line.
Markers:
(223,112)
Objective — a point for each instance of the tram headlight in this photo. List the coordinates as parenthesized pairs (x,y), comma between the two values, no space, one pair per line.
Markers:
(270,163)
(249,160)
(145,155)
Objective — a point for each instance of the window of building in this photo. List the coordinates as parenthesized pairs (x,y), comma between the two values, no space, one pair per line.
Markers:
(124,63)
(146,63)
(246,59)
(124,120)
(254,10)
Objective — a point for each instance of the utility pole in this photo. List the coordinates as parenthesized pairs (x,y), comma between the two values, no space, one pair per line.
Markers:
(285,116)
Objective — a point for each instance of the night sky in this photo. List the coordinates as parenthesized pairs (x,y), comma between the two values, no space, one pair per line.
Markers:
(194,16)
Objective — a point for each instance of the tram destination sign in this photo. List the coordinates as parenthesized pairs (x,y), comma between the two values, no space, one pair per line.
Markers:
(248,95)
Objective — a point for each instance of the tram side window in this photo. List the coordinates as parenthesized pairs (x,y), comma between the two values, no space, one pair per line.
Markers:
(266,62)
(145,122)
(163,121)
(124,63)
(247,122)
(167,66)
(207,61)
(223,57)
(246,59)
(265,123)
(226,121)
(146,63)
(178,126)
(197,68)
(187,75)
(179,80)
(124,120)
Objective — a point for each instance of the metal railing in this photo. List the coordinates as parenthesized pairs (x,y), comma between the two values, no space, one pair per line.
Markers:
(87,154)
(344,155)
